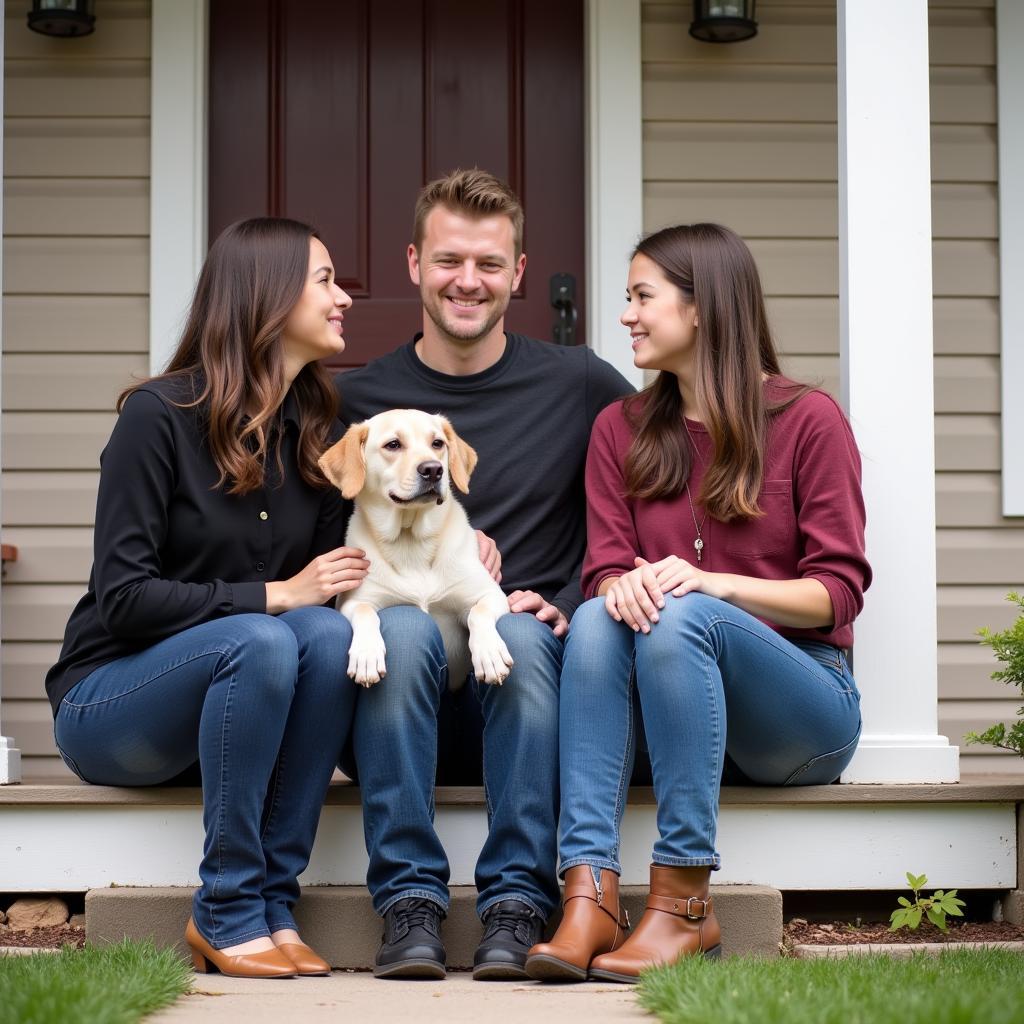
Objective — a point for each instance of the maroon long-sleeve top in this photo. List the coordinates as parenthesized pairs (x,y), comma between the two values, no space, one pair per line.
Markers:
(813,522)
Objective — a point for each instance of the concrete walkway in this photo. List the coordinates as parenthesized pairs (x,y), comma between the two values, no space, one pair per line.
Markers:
(356,997)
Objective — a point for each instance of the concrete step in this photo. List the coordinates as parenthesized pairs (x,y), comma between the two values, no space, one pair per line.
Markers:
(339,922)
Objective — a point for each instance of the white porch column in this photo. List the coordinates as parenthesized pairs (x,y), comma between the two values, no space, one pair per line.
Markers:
(615,215)
(885,287)
(10,756)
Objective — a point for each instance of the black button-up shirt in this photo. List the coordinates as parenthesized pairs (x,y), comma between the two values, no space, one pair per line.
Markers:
(170,549)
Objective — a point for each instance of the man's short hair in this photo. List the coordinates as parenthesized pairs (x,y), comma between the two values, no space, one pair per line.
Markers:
(472,193)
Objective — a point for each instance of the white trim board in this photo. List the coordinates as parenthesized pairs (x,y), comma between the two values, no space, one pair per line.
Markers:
(615,217)
(1010,84)
(177,197)
(810,847)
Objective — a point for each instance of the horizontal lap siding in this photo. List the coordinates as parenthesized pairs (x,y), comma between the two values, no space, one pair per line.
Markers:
(76,321)
(746,135)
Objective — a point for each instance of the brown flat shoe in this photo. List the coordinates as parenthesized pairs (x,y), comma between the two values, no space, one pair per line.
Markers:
(307,963)
(271,963)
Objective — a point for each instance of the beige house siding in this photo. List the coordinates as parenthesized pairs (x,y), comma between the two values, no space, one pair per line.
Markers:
(75,307)
(746,135)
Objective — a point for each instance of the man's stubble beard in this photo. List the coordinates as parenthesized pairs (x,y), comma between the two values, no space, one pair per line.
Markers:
(450,330)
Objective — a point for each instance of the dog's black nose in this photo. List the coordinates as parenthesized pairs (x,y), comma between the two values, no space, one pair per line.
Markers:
(430,471)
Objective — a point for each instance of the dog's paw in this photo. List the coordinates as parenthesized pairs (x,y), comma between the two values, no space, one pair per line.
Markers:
(491,660)
(366,664)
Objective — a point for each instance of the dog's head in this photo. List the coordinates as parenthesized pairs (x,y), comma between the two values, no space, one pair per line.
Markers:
(403,456)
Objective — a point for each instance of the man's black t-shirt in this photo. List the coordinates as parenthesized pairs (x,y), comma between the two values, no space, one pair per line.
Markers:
(529,417)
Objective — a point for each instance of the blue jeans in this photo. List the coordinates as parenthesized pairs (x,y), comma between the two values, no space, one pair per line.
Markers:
(711,679)
(264,704)
(395,748)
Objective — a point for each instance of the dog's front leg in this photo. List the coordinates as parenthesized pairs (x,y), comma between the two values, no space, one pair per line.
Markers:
(491,659)
(366,653)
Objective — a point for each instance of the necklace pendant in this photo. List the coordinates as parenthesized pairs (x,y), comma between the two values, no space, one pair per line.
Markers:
(698,546)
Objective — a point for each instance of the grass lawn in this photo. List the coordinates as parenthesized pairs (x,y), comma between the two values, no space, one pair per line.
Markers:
(984,986)
(111,985)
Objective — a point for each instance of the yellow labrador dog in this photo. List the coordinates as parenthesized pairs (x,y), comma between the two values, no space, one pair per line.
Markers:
(421,548)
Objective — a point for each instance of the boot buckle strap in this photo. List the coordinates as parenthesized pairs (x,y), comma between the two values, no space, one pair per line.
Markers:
(690,907)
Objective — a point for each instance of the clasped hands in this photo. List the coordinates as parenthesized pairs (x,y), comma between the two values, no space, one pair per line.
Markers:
(636,596)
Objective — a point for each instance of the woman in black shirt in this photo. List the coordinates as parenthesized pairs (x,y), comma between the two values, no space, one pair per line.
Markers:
(203,635)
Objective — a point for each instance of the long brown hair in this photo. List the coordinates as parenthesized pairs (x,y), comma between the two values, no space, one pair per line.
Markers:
(230,352)
(713,269)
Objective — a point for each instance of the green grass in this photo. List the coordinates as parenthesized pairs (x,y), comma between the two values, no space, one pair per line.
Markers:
(109,985)
(984,986)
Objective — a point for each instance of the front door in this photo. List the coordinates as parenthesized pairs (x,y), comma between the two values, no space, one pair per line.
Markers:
(336,112)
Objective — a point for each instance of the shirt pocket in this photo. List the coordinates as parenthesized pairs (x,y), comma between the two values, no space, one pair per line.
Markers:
(773,531)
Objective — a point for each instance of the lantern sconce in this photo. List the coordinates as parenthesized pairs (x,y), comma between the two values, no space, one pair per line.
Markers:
(62,18)
(723,21)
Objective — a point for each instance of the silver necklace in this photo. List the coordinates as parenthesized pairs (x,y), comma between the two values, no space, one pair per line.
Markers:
(698,544)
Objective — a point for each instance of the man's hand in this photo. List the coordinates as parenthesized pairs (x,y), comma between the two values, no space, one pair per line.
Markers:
(489,555)
(529,601)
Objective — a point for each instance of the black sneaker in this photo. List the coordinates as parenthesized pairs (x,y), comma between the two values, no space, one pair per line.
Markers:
(511,928)
(411,946)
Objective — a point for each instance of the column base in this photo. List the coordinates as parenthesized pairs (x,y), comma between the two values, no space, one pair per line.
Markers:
(10,762)
(903,759)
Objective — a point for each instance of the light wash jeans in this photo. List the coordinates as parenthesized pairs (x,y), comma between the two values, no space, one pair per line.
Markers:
(395,747)
(711,679)
(264,704)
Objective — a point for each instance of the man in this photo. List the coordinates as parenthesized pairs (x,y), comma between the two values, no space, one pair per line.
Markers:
(527,408)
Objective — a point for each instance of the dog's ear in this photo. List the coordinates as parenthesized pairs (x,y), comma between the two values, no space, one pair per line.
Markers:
(344,463)
(461,458)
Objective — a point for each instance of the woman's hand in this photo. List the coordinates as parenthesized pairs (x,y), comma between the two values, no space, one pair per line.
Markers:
(634,597)
(678,576)
(327,576)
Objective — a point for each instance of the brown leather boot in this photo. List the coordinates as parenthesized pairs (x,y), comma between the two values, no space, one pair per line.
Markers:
(592,922)
(679,921)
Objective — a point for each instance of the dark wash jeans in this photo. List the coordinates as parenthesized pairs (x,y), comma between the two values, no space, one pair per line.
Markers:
(712,681)
(264,704)
(394,757)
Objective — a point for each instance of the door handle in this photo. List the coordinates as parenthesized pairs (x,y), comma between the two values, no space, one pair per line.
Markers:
(563,300)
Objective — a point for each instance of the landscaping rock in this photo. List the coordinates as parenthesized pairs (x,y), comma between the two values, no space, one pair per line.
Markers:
(42,912)
(3,917)
(77,921)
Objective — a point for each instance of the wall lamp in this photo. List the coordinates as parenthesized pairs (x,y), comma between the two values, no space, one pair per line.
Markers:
(66,18)
(723,21)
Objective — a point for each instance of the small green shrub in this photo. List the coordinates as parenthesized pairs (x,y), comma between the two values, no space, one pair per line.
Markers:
(1008,647)
(935,907)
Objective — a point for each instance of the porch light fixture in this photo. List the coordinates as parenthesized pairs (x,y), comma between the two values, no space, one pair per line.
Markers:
(65,18)
(723,21)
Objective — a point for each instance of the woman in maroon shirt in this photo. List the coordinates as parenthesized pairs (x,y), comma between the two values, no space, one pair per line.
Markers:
(725,567)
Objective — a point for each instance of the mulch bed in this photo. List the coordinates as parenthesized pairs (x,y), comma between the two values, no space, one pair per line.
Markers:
(43,938)
(799,932)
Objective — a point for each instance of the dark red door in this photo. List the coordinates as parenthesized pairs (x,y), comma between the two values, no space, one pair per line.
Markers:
(336,112)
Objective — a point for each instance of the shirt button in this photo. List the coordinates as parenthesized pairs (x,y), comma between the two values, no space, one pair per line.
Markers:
(263,515)
(260,567)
